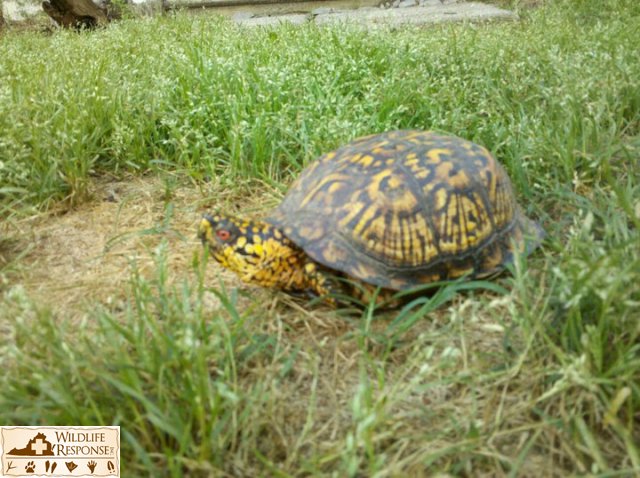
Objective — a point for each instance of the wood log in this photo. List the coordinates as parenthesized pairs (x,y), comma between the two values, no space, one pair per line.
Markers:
(75,13)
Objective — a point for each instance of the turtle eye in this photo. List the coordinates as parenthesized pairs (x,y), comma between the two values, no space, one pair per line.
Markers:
(223,235)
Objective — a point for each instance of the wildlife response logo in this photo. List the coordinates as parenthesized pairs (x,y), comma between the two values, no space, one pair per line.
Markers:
(60,451)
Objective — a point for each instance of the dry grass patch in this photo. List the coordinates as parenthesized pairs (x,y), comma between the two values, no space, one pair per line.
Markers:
(83,256)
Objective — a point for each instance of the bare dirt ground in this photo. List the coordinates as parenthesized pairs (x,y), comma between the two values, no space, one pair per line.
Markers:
(85,255)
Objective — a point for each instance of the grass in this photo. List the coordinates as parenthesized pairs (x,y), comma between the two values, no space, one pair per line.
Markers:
(112,143)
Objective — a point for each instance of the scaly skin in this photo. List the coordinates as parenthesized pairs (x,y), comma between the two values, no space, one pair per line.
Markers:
(260,254)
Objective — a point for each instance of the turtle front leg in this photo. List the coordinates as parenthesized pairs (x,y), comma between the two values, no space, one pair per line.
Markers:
(320,283)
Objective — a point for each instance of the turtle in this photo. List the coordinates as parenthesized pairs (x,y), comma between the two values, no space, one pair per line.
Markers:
(393,210)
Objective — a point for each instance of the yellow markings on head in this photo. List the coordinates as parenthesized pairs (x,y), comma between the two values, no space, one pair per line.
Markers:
(205,230)
(255,248)
(272,263)
(260,255)
(238,263)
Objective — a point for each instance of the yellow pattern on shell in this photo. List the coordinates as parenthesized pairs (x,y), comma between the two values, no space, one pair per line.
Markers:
(403,207)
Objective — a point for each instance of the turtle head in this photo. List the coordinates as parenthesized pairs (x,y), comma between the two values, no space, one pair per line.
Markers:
(255,250)
(223,235)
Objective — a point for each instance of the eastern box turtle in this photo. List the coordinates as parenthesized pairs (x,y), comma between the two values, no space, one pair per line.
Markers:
(394,210)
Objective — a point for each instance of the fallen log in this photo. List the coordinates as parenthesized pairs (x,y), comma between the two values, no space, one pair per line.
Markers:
(77,14)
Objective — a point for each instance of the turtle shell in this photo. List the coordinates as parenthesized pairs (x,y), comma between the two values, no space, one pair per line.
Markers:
(405,208)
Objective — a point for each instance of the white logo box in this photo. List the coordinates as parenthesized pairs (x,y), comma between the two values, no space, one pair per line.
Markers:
(60,451)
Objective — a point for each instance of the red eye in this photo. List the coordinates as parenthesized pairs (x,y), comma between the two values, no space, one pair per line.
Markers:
(223,234)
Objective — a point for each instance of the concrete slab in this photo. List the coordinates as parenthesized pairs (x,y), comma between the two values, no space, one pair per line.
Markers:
(15,11)
(293,18)
(420,15)
(267,7)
